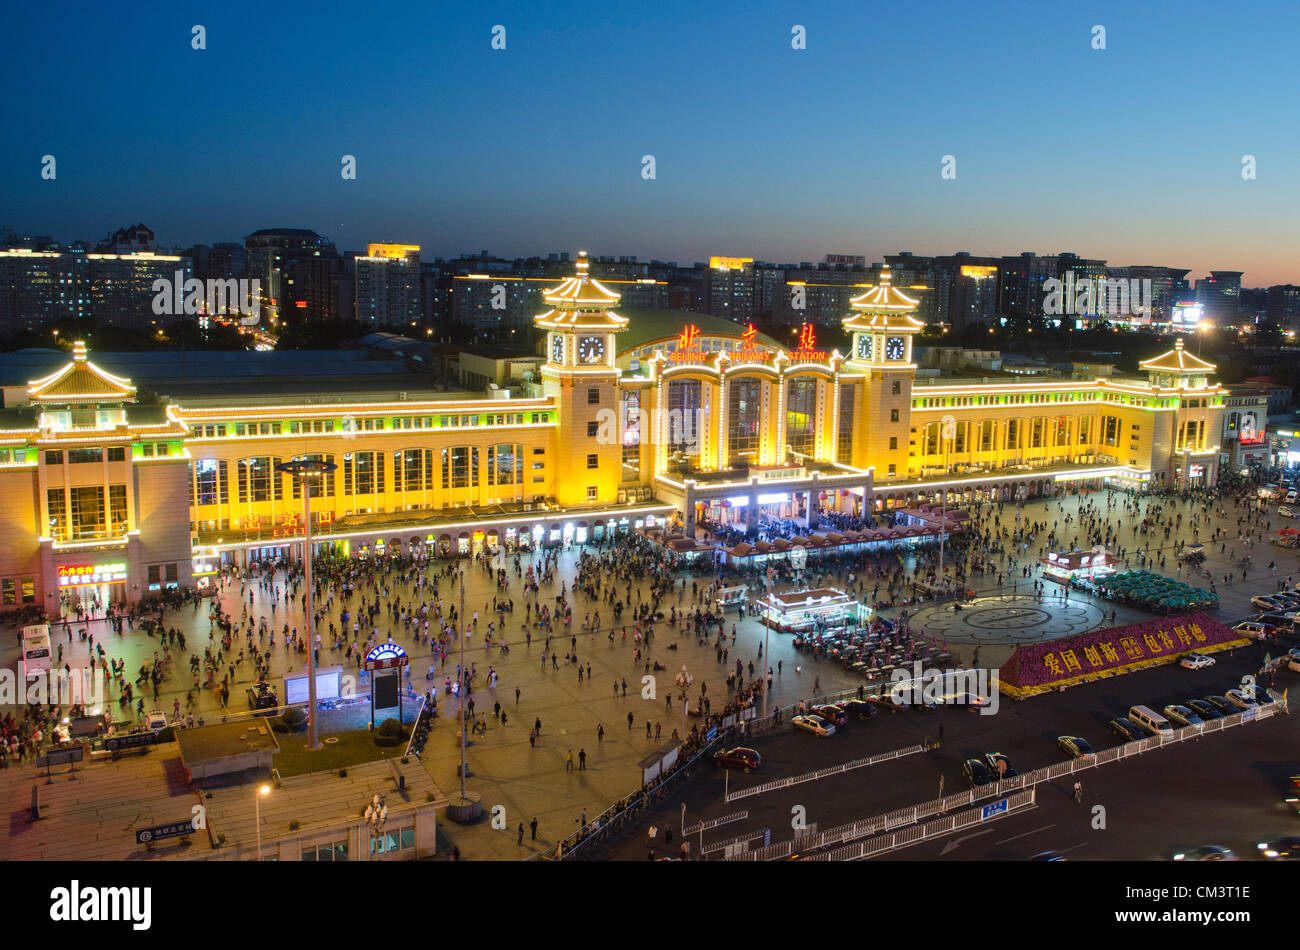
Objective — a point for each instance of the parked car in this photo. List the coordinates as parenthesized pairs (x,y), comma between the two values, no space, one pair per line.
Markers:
(1286,848)
(1222,704)
(1258,693)
(1206,852)
(1126,730)
(814,724)
(1182,716)
(1196,661)
(1204,709)
(1264,602)
(999,765)
(1293,664)
(738,758)
(156,721)
(885,701)
(1284,622)
(1286,511)
(1239,699)
(832,714)
(1074,746)
(1255,631)
(857,708)
(975,773)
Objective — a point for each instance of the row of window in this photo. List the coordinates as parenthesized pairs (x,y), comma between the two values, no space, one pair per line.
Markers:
(368,473)
(17,590)
(1019,399)
(79,514)
(1041,432)
(373,424)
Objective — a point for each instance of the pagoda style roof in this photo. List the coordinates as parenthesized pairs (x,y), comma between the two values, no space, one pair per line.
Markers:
(80,381)
(1177,360)
(883,307)
(581,302)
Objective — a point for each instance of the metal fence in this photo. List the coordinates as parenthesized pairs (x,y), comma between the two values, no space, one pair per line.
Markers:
(826,772)
(613,821)
(1017,802)
(913,814)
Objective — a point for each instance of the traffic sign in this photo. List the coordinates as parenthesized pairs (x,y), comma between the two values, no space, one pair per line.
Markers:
(993,808)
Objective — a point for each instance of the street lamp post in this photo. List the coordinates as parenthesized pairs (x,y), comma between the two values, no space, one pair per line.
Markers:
(264,790)
(308,470)
(684,680)
(948,430)
(461,686)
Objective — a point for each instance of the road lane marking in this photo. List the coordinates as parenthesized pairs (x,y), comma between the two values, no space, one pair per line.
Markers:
(1025,834)
(953,844)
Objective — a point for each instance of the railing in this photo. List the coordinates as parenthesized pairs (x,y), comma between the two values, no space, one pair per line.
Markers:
(912,814)
(826,772)
(942,826)
(613,819)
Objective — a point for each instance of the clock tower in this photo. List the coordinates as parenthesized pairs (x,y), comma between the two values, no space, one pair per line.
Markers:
(881,326)
(581,377)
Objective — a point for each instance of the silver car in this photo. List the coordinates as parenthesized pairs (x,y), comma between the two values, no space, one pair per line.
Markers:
(1182,716)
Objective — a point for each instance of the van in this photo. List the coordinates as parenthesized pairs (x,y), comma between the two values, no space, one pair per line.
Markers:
(1144,717)
(1292,497)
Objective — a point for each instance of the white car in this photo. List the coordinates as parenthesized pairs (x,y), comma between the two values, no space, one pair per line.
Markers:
(1293,664)
(1239,699)
(1286,511)
(814,724)
(1196,661)
(1264,602)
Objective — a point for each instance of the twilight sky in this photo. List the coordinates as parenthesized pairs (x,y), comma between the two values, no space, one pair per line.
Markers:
(1132,153)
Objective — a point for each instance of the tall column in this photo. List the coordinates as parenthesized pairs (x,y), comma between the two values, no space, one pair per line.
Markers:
(688,516)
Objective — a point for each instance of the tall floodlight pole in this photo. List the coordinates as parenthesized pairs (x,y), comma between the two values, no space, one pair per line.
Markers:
(307,471)
(947,432)
(463,681)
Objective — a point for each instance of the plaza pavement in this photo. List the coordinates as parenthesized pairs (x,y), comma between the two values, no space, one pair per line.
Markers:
(533,782)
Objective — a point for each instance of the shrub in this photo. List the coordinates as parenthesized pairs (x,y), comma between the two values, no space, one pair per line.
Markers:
(292,720)
(391,733)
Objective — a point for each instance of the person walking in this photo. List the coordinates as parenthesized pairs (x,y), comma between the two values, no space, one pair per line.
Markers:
(1078,792)
(520,839)
(533,825)
(568,761)
(600,732)
(517,695)
(582,760)
(537,725)
(630,720)
(532,738)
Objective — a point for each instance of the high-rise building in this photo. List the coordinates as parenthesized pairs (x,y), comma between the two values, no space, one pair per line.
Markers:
(1168,287)
(39,288)
(1220,296)
(1284,305)
(729,288)
(121,291)
(387,282)
(297,271)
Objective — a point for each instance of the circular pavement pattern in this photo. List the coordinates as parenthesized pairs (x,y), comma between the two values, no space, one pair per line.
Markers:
(1006,620)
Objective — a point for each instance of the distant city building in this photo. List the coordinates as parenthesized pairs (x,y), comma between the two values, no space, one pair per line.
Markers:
(729,288)
(121,291)
(39,288)
(1168,287)
(1220,296)
(387,282)
(298,274)
(1283,306)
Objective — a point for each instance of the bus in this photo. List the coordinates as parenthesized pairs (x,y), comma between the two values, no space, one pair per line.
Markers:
(36,657)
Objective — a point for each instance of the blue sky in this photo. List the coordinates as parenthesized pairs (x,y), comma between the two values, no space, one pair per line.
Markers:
(1132,154)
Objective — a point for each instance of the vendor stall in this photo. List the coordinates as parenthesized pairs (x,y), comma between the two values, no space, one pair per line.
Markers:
(813,611)
(1065,567)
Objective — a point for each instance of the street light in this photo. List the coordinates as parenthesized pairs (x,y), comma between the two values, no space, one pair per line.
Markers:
(947,433)
(308,470)
(261,792)
(684,680)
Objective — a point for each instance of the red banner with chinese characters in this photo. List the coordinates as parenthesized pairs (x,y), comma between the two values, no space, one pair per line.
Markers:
(1037,667)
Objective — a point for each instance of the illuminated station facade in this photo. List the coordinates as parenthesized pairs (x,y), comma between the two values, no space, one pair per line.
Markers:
(112,493)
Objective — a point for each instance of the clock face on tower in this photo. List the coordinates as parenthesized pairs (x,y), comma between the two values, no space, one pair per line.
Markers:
(864,347)
(557,349)
(591,349)
(894,348)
